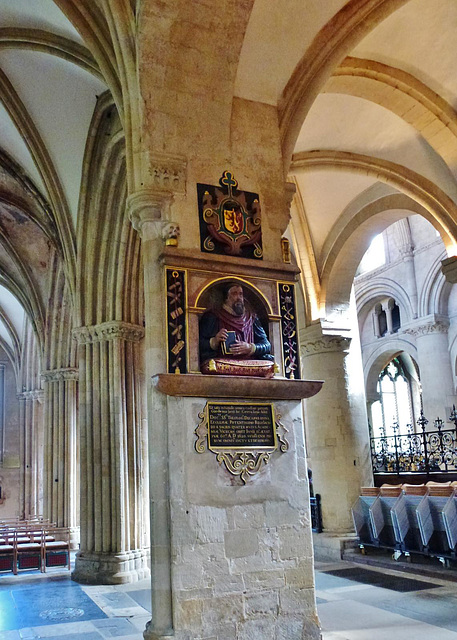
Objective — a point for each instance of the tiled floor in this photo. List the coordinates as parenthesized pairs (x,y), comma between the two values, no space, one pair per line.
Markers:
(52,606)
(356,603)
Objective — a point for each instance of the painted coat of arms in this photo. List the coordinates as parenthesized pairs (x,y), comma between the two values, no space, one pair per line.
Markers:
(229,219)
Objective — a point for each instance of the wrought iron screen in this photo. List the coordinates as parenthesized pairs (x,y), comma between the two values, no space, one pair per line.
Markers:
(417,451)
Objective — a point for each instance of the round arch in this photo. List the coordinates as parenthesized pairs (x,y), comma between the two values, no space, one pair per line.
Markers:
(380,357)
(200,299)
(378,289)
(349,240)
(435,292)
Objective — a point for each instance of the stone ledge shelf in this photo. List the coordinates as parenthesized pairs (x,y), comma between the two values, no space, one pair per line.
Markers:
(204,386)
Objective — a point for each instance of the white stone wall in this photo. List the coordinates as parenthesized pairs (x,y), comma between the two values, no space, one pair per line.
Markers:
(242,559)
(428,312)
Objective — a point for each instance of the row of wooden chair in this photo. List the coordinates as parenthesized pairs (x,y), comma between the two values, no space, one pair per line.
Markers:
(33,546)
(431,488)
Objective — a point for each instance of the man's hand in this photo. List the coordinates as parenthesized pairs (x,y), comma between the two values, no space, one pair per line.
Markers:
(221,336)
(242,349)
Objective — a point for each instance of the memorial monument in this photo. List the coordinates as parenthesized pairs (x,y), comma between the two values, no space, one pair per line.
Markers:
(231,520)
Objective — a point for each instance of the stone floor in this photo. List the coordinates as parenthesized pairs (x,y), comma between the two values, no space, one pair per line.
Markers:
(52,606)
(355,602)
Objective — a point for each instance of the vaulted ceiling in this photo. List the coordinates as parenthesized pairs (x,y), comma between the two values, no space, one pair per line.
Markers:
(366,92)
(49,84)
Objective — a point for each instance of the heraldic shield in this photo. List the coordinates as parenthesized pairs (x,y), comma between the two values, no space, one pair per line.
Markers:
(229,219)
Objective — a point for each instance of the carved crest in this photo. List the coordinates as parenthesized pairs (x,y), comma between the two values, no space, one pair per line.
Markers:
(229,219)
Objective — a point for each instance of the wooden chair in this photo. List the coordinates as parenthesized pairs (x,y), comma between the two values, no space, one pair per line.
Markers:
(7,558)
(369,491)
(28,549)
(441,489)
(391,490)
(56,551)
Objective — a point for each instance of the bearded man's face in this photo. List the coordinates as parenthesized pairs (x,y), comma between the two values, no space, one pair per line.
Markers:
(235,300)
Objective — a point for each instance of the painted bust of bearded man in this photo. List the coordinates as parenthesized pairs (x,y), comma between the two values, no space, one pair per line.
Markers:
(251,339)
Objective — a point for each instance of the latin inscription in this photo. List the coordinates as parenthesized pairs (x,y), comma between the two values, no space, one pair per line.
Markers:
(241,425)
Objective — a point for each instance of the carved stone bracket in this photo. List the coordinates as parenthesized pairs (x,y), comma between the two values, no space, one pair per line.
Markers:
(109,331)
(241,462)
(57,375)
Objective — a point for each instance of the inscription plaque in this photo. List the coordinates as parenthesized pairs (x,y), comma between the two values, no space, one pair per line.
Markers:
(241,425)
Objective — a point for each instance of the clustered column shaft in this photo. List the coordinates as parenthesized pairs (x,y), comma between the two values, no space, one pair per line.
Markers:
(113,466)
(61,488)
(31,447)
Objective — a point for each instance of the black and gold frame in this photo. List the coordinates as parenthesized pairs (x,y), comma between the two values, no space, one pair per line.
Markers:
(176,321)
(289,332)
(229,219)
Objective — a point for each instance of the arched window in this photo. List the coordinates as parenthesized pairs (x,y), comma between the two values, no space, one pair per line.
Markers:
(395,404)
(386,318)
(394,310)
(396,324)
(382,323)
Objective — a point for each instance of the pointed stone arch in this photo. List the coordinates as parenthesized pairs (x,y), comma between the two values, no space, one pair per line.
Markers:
(330,46)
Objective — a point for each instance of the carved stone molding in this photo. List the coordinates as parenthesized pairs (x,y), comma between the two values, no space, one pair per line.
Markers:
(56,375)
(35,394)
(325,344)
(426,329)
(109,331)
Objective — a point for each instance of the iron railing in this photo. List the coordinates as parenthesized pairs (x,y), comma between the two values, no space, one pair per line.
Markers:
(417,451)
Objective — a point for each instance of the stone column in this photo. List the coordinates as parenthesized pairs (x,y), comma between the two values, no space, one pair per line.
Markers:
(112,548)
(31,453)
(377,330)
(147,209)
(438,394)
(337,436)
(407,253)
(388,311)
(61,477)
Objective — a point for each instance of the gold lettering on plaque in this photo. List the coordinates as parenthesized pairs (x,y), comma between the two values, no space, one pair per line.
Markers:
(242,435)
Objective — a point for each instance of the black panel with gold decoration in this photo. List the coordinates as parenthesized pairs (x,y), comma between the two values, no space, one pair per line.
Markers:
(176,321)
(289,333)
(230,221)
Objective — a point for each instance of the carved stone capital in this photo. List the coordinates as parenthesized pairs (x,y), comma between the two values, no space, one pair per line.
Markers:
(449,269)
(325,344)
(109,331)
(168,177)
(440,326)
(406,251)
(56,375)
(34,394)
(149,207)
